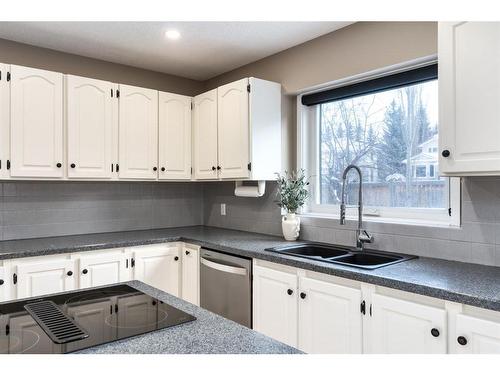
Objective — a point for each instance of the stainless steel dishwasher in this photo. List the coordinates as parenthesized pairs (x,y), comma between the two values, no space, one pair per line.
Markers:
(226,286)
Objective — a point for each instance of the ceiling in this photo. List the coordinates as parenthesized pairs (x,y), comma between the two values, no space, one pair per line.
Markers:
(205,49)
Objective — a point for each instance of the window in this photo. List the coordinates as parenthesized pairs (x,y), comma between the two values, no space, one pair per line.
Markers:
(388,127)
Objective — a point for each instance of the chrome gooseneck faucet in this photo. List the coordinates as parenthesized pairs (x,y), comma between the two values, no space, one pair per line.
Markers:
(362,236)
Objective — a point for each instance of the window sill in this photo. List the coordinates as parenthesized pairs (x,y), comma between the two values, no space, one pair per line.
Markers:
(383,220)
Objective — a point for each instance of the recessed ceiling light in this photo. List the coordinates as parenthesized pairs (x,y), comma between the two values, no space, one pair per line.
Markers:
(172,34)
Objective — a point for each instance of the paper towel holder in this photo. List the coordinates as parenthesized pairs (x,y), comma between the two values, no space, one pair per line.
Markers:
(255,191)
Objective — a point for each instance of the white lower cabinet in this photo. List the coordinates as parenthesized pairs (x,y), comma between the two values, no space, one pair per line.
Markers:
(403,327)
(476,335)
(275,304)
(4,285)
(103,268)
(159,266)
(191,274)
(329,318)
(41,275)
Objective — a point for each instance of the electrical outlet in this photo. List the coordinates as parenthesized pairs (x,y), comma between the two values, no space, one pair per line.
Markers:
(223,209)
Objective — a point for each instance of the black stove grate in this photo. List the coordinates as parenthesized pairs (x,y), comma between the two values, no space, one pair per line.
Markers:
(59,327)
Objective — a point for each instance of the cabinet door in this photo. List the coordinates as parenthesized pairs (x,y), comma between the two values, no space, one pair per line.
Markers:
(89,111)
(233,129)
(403,327)
(36,123)
(138,129)
(29,337)
(191,275)
(481,336)
(135,313)
(275,304)
(4,121)
(174,138)
(44,277)
(3,285)
(329,318)
(159,266)
(102,269)
(95,317)
(205,135)
(469,93)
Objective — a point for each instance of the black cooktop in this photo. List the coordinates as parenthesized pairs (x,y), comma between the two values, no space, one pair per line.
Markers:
(67,322)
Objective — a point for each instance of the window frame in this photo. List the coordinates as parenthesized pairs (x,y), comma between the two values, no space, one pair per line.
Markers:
(308,158)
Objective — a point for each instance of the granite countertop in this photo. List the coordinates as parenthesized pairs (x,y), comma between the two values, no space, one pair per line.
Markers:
(471,284)
(208,334)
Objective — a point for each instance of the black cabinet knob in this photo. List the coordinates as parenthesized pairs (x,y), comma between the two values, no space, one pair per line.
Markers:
(155,169)
(58,165)
(176,258)
(303,295)
(72,165)
(85,271)
(462,340)
(219,167)
(188,252)
(70,273)
(290,292)
(163,169)
(153,303)
(445,153)
(213,168)
(1,282)
(435,332)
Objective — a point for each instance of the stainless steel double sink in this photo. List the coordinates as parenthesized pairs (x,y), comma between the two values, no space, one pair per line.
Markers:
(341,255)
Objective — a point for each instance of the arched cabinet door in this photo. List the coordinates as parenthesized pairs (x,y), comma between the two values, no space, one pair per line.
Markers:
(205,136)
(138,133)
(174,139)
(36,123)
(90,127)
(233,129)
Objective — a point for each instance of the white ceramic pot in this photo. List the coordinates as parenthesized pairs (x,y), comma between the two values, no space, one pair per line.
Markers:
(290,223)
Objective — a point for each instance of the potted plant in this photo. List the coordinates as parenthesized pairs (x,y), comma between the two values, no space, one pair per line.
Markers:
(292,194)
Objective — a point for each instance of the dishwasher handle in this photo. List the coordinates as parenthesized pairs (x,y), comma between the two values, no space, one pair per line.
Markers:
(224,268)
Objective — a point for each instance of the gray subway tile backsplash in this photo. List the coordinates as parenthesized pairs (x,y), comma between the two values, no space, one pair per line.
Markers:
(477,240)
(42,209)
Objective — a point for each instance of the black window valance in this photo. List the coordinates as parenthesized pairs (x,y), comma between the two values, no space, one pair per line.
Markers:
(392,81)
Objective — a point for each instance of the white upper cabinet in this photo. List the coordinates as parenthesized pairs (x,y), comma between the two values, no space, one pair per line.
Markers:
(4,120)
(233,130)
(474,335)
(138,133)
(469,97)
(329,318)
(404,327)
(90,127)
(205,136)
(237,131)
(36,123)
(174,148)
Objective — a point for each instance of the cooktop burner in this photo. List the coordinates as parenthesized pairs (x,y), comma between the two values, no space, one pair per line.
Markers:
(105,314)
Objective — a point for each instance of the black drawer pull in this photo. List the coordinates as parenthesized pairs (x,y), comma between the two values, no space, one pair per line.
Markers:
(58,165)
(435,332)
(303,295)
(462,340)
(289,292)
(70,273)
(445,153)
(85,271)
(72,165)
(188,252)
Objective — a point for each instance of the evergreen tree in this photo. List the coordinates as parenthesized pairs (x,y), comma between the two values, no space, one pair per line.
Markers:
(392,149)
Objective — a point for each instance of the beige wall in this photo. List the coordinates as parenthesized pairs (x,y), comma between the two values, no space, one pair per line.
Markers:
(36,57)
(355,49)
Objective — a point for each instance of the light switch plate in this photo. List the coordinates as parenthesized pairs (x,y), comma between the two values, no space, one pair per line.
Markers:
(223,209)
